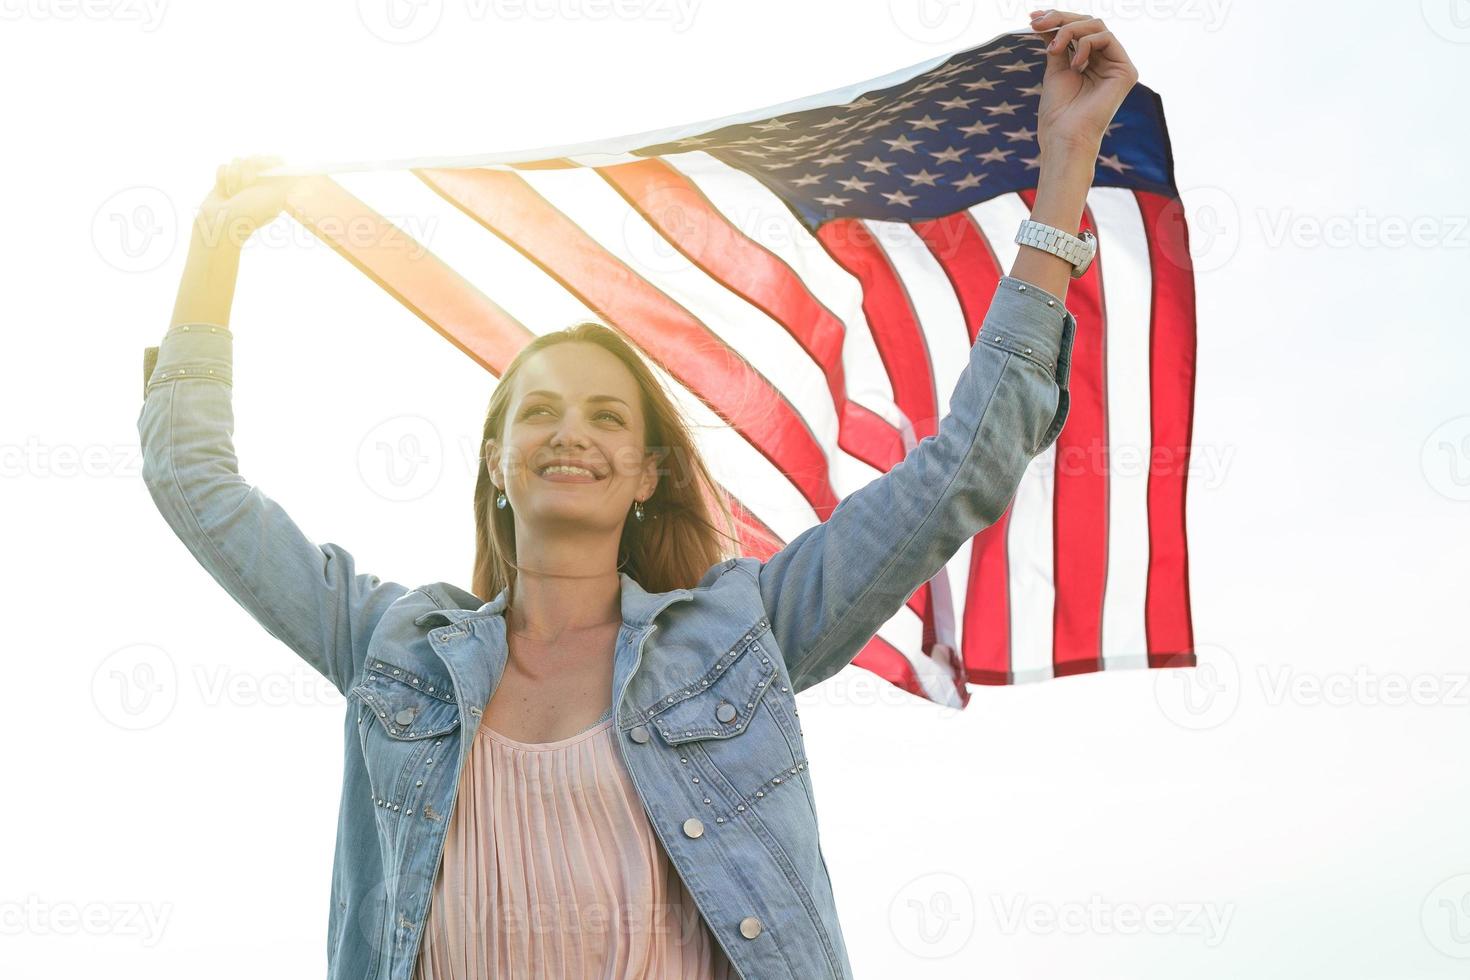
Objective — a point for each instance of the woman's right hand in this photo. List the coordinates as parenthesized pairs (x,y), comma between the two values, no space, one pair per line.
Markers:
(241,201)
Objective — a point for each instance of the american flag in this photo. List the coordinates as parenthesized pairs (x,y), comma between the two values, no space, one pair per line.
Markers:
(808,279)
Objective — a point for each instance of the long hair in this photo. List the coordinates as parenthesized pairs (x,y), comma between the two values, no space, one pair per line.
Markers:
(677,541)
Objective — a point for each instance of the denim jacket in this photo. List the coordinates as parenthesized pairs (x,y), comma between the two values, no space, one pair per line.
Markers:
(704,678)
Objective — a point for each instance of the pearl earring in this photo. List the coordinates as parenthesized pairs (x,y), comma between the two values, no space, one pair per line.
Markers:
(500,501)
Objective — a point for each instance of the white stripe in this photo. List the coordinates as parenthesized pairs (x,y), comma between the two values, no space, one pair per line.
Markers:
(623,144)
(761,216)
(609,220)
(946,336)
(1128,299)
(529,294)
(1030,534)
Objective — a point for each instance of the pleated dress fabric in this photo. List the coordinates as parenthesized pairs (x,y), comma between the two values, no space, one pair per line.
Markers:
(552,871)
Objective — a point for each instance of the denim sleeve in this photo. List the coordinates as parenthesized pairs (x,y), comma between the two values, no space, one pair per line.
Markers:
(830,589)
(309,597)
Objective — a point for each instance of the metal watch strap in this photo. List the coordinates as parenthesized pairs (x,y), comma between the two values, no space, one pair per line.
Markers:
(1075,251)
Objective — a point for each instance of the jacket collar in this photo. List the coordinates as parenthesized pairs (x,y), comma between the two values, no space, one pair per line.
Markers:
(639,607)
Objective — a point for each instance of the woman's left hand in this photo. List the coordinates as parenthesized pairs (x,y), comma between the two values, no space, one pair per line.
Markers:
(1088,74)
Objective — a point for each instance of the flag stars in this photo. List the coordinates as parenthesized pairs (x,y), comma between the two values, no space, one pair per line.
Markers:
(978,128)
(856,184)
(806,180)
(900,198)
(928,122)
(881,166)
(1003,108)
(903,143)
(1019,66)
(950,155)
(1111,161)
(1022,134)
(834,121)
(834,202)
(923,177)
(979,85)
(772,124)
(1032,163)
(994,155)
(831,159)
(956,103)
(1030,91)
(968,181)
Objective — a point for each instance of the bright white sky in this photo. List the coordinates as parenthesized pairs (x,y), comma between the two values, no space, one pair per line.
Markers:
(1316,828)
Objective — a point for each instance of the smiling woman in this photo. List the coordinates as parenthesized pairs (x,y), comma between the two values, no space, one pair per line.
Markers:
(607,720)
(580,401)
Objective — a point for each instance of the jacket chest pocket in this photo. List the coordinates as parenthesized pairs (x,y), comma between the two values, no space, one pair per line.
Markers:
(402,725)
(729,728)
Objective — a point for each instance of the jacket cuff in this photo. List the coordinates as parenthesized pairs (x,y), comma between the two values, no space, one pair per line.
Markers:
(1027,320)
(202,350)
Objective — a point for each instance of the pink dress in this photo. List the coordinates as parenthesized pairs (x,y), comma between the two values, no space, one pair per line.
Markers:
(551,870)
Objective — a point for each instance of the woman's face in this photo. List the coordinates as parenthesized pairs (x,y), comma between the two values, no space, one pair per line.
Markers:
(573,403)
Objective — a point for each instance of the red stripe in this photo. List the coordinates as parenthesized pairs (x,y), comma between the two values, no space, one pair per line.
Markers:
(506,205)
(902,348)
(1080,488)
(1171,364)
(679,209)
(973,271)
(410,273)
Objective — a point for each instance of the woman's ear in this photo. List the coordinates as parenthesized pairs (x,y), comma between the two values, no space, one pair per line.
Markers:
(492,462)
(648,482)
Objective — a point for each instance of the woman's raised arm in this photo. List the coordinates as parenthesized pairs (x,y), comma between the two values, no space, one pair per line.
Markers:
(310,597)
(831,588)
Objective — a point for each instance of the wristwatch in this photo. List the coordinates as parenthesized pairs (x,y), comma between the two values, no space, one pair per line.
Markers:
(1075,250)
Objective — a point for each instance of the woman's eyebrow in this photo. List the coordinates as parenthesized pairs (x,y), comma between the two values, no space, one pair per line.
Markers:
(551,394)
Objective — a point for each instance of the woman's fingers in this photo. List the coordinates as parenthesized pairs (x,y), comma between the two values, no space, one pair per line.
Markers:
(1102,45)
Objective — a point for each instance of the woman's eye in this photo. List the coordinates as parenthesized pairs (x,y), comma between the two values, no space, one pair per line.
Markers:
(612,415)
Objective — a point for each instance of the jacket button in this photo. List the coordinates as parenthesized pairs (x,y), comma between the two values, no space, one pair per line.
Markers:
(725,712)
(750,927)
(693,827)
(404,717)
(639,734)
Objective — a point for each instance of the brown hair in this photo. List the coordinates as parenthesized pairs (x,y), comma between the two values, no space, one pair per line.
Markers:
(677,541)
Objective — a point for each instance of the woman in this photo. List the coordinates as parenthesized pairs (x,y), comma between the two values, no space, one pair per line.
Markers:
(600,772)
